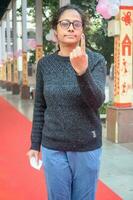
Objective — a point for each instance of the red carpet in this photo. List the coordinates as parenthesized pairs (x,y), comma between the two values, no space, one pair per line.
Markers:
(19,181)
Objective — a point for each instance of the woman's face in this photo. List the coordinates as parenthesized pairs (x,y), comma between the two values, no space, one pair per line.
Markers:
(66,32)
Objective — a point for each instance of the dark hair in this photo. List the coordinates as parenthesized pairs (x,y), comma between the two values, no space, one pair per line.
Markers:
(62,10)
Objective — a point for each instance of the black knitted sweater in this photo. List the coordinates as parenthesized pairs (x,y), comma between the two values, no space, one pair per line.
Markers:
(66,105)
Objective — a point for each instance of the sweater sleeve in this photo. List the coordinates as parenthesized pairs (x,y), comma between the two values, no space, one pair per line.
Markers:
(92,84)
(38,113)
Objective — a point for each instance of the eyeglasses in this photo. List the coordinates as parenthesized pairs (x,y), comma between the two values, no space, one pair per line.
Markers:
(65,24)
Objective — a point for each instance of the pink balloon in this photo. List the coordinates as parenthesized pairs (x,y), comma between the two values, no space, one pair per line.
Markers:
(104,11)
(101,9)
(107,15)
(103,2)
(108,8)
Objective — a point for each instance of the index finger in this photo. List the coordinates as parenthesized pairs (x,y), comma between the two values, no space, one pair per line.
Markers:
(82,44)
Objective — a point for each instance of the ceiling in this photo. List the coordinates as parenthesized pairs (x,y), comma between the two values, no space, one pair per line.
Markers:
(3,6)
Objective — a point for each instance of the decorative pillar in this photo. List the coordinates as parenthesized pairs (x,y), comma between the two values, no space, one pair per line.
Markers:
(3,25)
(15,85)
(39,30)
(120,115)
(123,70)
(25,90)
(1,64)
(9,78)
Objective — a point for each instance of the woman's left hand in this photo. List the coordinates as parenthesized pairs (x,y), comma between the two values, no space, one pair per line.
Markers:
(79,58)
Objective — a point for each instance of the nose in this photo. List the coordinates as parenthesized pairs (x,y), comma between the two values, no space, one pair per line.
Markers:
(71,28)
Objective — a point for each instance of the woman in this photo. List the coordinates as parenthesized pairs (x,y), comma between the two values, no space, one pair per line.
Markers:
(66,125)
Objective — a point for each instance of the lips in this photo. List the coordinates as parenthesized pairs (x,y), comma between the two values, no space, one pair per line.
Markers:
(70,35)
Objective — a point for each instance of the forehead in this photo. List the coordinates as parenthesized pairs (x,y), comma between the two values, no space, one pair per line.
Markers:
(70,15)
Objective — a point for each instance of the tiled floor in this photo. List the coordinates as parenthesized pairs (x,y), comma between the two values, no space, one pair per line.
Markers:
(117,159)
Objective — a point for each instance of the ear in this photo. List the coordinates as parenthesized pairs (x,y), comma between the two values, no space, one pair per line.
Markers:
(55,36)
(55,32)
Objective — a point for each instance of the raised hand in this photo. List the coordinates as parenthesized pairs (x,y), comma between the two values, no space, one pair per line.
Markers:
(79,58)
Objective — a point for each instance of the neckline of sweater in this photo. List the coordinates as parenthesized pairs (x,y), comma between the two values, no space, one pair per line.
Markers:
(59,57)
